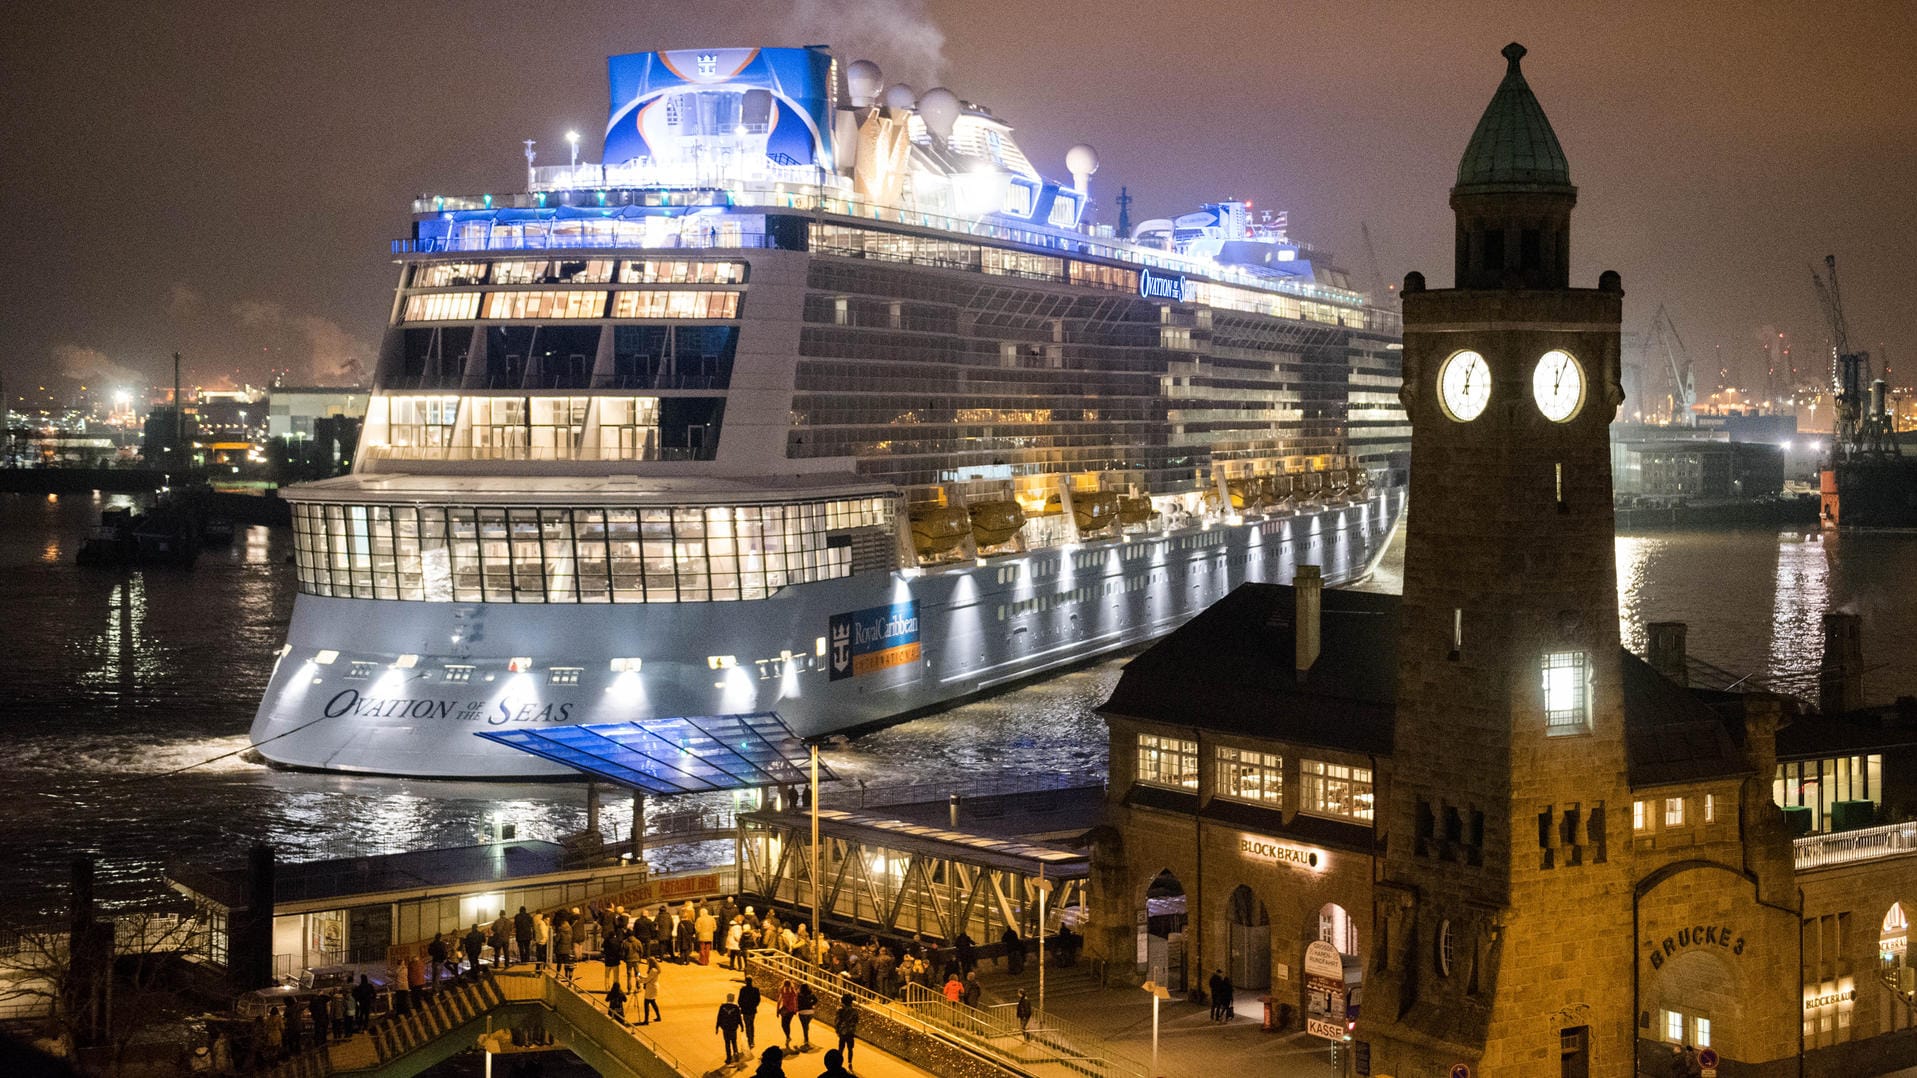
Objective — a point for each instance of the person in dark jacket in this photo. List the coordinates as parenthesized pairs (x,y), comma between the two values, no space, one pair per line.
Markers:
(1014,950)
(473,944)
(834,1066)
(321,1009)
(749,1009)
(807,1001)
(846,1024)
(523,933)
(967,956)
(363,996)
(730,1018)
(501,940)
(1216,986)
(616,1001)
(1024,1012)
(437,953)
(613,955)
(771,1065)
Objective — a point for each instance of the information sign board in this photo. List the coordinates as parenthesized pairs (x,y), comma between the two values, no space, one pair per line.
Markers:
(1324,992)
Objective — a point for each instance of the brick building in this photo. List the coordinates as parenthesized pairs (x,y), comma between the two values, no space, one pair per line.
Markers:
(1536,853)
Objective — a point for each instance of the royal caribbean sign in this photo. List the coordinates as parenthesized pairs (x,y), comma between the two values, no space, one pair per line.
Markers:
(1162,285)
(876,639)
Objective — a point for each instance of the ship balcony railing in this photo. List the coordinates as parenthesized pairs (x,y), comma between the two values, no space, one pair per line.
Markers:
(1851,847)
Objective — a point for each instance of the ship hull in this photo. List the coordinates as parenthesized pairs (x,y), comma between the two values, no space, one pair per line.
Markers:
(413,683)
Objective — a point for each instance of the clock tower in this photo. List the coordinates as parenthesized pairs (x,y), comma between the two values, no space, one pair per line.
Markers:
(1502,926)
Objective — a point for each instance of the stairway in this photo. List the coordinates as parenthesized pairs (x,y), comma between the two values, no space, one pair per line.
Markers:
(452,1006)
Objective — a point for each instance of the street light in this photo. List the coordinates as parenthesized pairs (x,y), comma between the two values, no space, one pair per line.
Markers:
(1159,994)
(1044,890)
(573,137)
(814,871)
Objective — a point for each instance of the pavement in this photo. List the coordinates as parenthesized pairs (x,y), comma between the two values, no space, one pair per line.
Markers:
(689,999)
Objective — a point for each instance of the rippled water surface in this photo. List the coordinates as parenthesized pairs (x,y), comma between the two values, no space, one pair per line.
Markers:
(118,688)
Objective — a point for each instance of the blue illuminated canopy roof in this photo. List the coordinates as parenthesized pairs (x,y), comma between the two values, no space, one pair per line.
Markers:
(690,755)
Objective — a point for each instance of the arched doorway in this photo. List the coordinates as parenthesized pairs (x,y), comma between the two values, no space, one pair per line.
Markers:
(1163,937)
(1336,927)
(1249,936)
(1893,956)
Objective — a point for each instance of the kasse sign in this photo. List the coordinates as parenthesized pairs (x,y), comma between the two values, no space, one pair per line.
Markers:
(876,639)
(1162,285)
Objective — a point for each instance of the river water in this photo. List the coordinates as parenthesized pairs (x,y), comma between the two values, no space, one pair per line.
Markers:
(125,698)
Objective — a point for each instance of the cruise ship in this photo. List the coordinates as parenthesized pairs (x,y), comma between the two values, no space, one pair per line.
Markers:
(814,396)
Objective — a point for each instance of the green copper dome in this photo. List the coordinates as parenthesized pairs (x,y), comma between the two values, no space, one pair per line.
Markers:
(1514,143)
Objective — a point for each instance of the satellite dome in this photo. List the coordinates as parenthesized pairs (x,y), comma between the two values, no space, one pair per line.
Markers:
(939,108)
(863,81)
(1081,160)
(898,97)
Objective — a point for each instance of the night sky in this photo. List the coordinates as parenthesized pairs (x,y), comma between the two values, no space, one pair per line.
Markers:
(223,179)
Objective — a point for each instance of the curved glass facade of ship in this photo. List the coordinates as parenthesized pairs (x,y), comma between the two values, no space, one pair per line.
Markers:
(839,410)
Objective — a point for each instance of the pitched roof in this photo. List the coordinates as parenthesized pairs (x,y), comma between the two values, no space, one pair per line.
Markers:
(1514,143)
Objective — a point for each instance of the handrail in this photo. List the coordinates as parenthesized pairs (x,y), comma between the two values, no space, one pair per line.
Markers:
(1849,847)
(1051,1048)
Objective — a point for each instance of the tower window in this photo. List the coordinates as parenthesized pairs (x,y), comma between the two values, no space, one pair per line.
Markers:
(1567,693)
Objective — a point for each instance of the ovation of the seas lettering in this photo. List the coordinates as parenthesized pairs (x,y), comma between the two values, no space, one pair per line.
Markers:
(1162,285)
(875,639)
(498,713)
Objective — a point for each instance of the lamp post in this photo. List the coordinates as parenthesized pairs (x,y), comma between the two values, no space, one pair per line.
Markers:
(573,137)
(1044,891)
(814,871)
(1159,994)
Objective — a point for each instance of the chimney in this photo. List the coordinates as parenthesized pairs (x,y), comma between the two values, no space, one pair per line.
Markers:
(1667,650)
(1840,680)
(1308,588)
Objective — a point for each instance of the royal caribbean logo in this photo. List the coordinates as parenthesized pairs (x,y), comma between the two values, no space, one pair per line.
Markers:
(708,63)
(865,641)
(1172,286)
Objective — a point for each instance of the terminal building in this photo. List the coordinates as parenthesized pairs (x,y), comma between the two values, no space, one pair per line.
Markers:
(1537,853)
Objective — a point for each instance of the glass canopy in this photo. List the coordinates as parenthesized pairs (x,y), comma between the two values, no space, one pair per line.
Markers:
(696,754)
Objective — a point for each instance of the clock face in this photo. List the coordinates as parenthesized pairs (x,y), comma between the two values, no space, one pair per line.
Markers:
(1464,386)
(1558,385)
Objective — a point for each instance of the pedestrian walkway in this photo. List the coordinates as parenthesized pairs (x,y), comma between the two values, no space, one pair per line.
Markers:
(689,999)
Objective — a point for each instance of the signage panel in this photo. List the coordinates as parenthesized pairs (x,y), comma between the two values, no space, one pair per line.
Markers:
(1161,284)
(878,638)
(1324,991)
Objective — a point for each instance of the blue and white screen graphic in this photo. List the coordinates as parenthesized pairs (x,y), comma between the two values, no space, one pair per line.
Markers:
(702,106)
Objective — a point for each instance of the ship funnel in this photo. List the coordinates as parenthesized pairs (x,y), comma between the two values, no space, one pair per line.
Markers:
(898,100)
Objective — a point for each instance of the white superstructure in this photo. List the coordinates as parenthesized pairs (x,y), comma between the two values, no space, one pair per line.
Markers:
(816,398)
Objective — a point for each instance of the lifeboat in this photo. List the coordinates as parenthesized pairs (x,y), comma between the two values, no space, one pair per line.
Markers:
(1133,511)
(939,531)
(1244,493)
(994,523)
(1311,486)
(1284,489)
(1094,511)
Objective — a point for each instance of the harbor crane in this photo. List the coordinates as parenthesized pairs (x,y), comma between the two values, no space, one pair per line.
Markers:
(1663,333)
(1863,426)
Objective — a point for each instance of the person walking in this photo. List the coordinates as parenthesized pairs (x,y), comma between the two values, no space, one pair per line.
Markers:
(1217,987)
(652,993)
(1024,1012)
(749,998)
(542,942)
(363,994)
(954,991)
(972,990)
(771,1065)
(834,1065)
(788,1006)
(846,1024)
(730,1018)
(807,1002)
(616,1000)
(1230,1001)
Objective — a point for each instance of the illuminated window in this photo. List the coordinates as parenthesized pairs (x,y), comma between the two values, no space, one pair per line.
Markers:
(360,671)
(566,304)
(661,304)
(519,665)
(1328,789)
(1167,761)
(1674,1027)
(1567,692)
(564,675)
(1710,808)
(459,673)
(1638,820)
(1673,812)
(625,666)
(1250,776)
(326,657)
(1702,1038)
(441,307)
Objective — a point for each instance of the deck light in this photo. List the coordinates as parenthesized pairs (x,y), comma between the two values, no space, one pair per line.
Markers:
(326,657)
